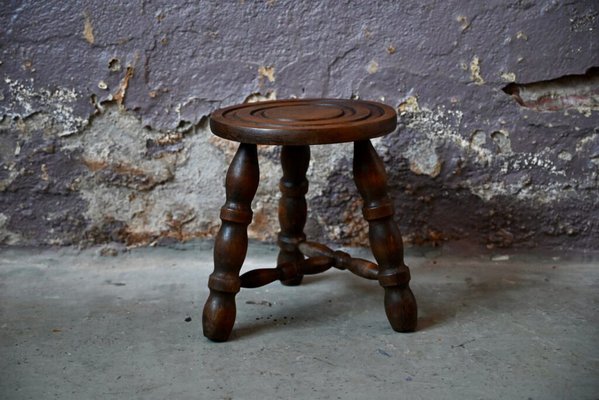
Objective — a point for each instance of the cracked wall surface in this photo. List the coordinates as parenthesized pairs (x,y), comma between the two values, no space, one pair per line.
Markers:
(104,105)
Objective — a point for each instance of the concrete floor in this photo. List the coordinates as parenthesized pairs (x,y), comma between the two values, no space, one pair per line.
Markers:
(79,325)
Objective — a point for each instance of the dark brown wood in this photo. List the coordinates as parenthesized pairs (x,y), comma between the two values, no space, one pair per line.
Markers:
(385,238)
(287,271)
(292,206)
(231,243)
(358,266)
(296,124)
(303,121)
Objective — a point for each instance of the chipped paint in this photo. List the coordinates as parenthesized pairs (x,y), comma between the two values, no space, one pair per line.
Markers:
(410,104)
(153,196)
(26,100)
(424,160)
(373,67)
(435,129)
(434,126)
(257,97)
(119,95)
(508,76)
(475,74)
(463,21)
(501,138)
(267,72)
(564,155)
(88,30)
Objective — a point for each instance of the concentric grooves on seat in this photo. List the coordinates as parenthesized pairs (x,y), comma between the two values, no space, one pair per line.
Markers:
(298,114)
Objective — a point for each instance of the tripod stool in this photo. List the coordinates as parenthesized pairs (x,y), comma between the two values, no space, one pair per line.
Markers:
(295,125)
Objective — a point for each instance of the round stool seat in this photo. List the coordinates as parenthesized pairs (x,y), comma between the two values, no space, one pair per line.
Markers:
(303,121)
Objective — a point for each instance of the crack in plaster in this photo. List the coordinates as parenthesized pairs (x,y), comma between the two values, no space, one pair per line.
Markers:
(578,92)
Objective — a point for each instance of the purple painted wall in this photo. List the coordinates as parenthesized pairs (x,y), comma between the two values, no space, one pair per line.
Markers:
(103,104)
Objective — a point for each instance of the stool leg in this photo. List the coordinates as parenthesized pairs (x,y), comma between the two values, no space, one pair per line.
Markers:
(385,238)
(231,243)
(292,206)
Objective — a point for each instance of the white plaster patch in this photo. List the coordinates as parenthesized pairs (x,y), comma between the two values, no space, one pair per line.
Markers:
(423,159)
(189,189)
(258,97)
(478,139)
(501,138)
(508,77)
(373,67)
(440,126)
(267,72)
(475,73)
(56,103)
(564,155)
(587,141)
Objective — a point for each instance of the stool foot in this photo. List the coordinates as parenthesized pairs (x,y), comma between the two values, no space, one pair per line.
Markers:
(401,309)
(385,238)
(218,317)
(230,246)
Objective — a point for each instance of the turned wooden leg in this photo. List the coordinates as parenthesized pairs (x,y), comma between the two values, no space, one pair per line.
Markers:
(231,243)
(292,206)
(385,238)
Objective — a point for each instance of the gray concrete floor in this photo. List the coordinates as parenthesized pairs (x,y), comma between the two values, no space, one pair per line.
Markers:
(78,325)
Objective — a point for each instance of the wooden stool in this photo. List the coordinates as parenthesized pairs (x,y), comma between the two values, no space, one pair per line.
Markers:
(297,124)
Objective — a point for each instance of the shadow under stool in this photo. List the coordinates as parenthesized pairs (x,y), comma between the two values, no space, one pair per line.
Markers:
(295,125)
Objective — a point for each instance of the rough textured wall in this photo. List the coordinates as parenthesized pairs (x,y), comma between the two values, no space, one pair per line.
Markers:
(103,106)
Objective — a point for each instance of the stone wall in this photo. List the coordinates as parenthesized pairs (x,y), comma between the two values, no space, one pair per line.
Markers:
(104,106)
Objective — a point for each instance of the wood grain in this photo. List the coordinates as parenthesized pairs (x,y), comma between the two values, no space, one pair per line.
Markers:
(303,121)
(296,124)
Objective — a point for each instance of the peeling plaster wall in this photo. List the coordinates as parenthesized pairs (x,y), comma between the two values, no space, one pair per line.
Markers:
(104,105)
